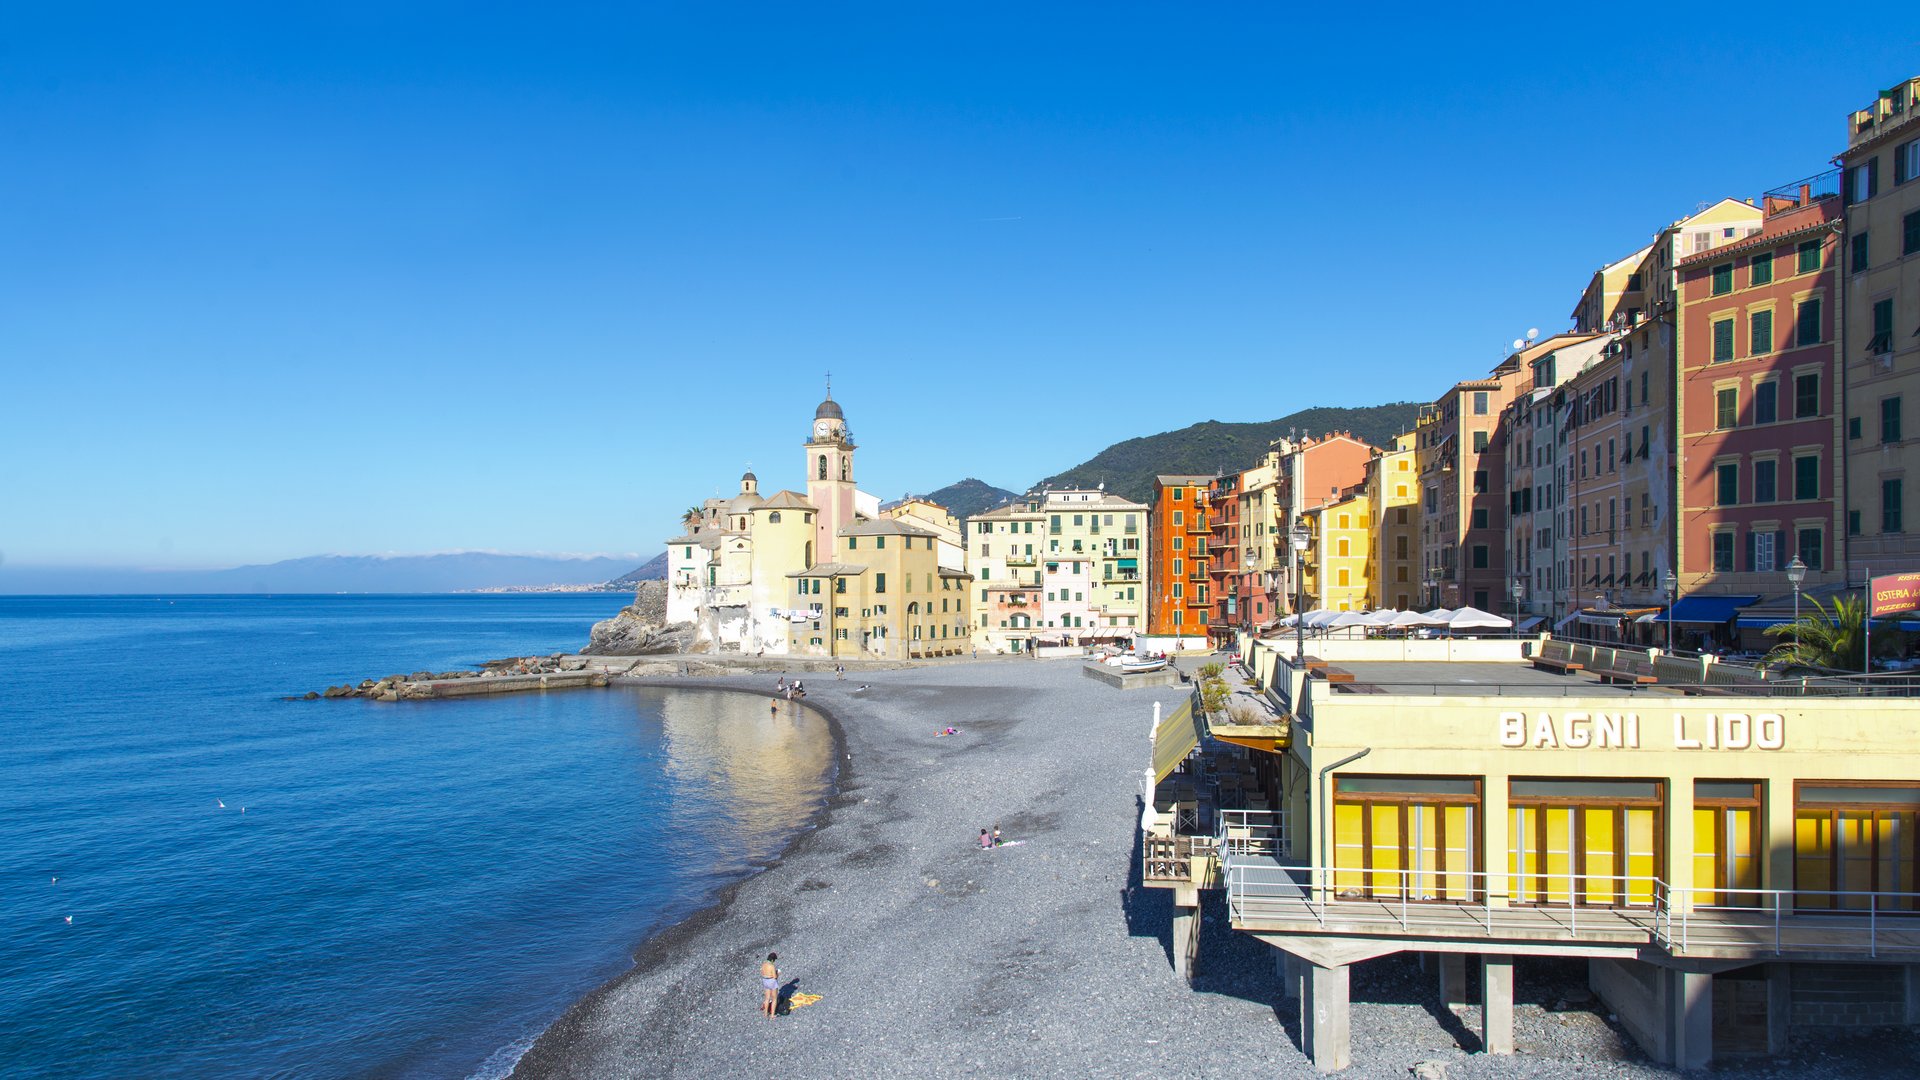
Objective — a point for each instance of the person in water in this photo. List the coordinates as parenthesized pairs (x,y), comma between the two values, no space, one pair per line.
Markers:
(770,982)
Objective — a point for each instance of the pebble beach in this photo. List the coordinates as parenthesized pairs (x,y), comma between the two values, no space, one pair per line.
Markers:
(933,957)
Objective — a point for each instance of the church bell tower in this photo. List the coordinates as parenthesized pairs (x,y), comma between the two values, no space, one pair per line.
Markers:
(830,477)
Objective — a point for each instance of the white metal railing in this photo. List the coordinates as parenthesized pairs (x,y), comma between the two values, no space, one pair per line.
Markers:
(1569,906)
(1253,833)
(1442,901)
(1789,920)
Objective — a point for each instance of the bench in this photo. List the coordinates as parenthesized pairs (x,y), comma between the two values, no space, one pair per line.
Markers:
(1336,675)
(1564,667)
(1623,676)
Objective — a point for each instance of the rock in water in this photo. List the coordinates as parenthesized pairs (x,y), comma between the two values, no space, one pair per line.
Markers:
(640,629)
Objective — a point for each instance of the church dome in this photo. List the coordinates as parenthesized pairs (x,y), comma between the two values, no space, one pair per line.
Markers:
(748,476)
(829,410)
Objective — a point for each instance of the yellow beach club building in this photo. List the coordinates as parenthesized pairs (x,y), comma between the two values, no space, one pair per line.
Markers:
(1691,828)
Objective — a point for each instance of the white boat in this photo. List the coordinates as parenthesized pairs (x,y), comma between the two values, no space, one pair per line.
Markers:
(1138,665)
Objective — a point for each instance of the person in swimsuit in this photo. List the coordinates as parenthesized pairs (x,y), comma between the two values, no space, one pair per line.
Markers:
(770,980)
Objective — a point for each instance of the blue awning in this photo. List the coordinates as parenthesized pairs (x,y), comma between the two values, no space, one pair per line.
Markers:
(1758,623)
(1708,610)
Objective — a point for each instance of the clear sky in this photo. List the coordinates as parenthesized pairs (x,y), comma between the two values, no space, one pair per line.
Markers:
(410,278)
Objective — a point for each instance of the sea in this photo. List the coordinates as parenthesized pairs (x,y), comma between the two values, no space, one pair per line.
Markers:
(201,878)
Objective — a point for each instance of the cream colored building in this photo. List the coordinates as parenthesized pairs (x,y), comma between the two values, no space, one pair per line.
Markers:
(1005,546)
(1094,565)
(883,596)
(938,520)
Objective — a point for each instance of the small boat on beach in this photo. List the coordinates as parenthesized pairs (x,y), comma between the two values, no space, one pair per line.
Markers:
(1140,665)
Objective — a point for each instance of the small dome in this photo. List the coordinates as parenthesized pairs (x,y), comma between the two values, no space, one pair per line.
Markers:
(748,475)
(829,410)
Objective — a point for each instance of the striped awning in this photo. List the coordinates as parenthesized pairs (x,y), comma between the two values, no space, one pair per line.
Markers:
(1173,740)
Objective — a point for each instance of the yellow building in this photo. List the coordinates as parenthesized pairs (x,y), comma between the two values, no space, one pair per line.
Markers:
(1339,553)
(1394,497)
(1725,848)
(884,596)
(937,520)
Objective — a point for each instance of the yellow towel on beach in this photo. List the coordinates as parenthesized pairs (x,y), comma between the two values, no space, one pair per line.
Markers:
(799,999)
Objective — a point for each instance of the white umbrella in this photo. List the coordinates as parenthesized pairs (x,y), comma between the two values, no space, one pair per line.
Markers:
(1320,617)
(1291,619)
(1440,613)
(1472,618)
(1410,619)
(1382,617)
(1342,619)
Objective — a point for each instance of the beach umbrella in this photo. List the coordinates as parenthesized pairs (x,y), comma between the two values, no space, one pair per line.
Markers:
(1343,619)
(1408,620)
(1382,617)
(1440,613)
(1320,617)
(1472,618)
(1291,619)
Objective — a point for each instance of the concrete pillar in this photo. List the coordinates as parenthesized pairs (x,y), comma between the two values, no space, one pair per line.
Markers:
(1780,1005)
(1453,977)
(1691,1019)
(1186,940)
(1913,992)
(1325,1027)
(1496,1004)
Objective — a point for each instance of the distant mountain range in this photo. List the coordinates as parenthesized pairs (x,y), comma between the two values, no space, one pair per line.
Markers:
(970,497)
(454,572)
(1128,468)
(655,569)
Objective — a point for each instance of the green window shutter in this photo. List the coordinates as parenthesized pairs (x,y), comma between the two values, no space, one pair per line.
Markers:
(1723,279)
(1809,256)
(1760,333)
(1762,269)
(1809,323)
(1910,233)
(1860,256)
(1722,340)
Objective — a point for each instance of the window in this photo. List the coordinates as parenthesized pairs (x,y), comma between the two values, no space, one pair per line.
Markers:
(1761,552)
(1479,441)
(880,542)
(1760,333)
(1723,279)
(1910,233)
(1863,180)
(1764,473)
(1853,427)
(1722,340)
(1906,162)
(1179,518)
(1807,332)
(1806,396)
(879,583)
(1810,548)
(1890,419)
(1480,481)
(1480,517)
(1859,244)
(1853,523)
(1726,485)
(1806,477)
(1726,407)
(1480,403)
(1882,339)
(1179,494)
(1890,519)
(1766,402)
(1762,271)
(1723,552)
(1480,556)
(1809,256)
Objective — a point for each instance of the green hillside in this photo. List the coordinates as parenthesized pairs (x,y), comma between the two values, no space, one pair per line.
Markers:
(1128,468)
(970,497)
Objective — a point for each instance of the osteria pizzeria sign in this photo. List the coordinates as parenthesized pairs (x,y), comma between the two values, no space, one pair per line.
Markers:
(1624,731)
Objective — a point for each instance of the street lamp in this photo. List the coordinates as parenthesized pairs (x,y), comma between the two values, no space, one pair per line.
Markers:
(1299,536)
(1673,589)
(1796,573)
(1519,590)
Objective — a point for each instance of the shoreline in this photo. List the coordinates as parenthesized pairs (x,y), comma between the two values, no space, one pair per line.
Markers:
(656,946)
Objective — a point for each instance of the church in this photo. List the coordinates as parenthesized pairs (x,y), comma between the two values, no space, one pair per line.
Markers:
(822,574)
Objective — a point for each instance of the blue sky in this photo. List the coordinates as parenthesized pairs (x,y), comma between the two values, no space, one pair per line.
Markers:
(410,278)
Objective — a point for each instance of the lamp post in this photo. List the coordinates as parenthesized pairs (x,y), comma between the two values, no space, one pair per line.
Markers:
(1673,589)
(1519,590)
(1796,573)
(1299,537)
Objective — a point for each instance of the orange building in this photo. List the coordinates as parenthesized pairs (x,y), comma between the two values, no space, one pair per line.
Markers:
(1177,555)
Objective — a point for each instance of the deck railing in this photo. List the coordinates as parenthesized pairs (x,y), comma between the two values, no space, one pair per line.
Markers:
(1255,833)
(1620,908)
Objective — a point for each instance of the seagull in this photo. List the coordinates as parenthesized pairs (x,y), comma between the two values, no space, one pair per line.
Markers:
(223,806)
(69,920)
(56,881)
(859,688)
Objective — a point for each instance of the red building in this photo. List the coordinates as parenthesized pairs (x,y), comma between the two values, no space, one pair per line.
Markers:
(1759,426)
(1223,568)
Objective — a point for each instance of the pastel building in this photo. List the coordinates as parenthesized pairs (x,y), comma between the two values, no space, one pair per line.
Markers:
(883,595)
(1093,573)
(1881,286)
(1338,559)
(1004,548)
(1761,449)
(1460,455)
(1394,501)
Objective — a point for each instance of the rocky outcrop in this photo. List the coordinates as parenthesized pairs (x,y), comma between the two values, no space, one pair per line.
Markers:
(640,629)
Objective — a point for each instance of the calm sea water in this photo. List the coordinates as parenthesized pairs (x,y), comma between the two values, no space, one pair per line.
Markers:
(403,889)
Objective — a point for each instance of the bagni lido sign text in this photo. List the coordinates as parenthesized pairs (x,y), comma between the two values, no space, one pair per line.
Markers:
(1621,731)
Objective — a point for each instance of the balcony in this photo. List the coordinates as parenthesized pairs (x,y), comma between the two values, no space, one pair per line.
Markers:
(1022,560)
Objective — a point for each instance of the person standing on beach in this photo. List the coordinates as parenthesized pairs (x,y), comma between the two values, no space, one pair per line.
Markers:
(770,983)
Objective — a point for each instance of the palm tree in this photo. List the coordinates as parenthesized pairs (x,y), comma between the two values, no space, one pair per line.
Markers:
(1835,638)
(691,518)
